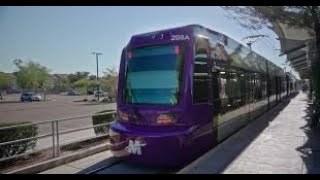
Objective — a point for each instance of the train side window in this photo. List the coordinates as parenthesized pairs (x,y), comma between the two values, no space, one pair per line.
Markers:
(264,86)
(232,90)
(258,85)
(200,72)
(223,92)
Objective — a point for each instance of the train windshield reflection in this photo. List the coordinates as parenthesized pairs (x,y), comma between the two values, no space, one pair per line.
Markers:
(152,75)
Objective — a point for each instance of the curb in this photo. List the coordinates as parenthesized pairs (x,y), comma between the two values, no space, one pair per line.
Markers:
(33,169)
(7,102)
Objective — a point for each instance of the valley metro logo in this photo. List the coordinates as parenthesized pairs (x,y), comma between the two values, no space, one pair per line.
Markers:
(134,147)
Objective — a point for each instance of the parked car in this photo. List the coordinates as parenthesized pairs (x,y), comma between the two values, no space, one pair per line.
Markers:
(36,97)
(30,96)
(101,94)
(90,92)
(26,96)
(72,92)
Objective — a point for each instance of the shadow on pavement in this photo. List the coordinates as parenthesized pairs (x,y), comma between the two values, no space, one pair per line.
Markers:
(227,151)
(310,151)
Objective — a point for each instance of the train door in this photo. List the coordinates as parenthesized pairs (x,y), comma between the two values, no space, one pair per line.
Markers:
(277,89)
(287,85)
(280,89)
(215,93)
(214,85)
(251,99)
(203,85)
(217,86)
(247,95)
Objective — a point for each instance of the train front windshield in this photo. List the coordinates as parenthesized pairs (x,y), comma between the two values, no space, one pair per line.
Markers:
(154,75)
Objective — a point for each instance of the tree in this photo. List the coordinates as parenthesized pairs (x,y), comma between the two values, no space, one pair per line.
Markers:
(305,17)
(257,17)
(61,85)
(5,83)
(81,83)
(48,85)
(31,75)
(109,82)
(77,76)
(85,84)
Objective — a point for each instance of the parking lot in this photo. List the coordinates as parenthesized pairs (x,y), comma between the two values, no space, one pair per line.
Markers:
(56,107)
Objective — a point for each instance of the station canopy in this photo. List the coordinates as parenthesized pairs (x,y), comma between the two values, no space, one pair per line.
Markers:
(298,45)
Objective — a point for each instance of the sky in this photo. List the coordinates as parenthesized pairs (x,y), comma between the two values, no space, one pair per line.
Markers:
(63,38)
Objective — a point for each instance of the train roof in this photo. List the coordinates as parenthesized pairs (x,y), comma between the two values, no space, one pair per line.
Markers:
(246,61)
(251,62)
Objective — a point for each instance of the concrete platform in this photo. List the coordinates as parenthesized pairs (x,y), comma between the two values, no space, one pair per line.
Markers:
(279,142)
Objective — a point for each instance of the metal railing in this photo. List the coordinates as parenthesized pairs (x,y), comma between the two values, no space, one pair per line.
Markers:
(55,133)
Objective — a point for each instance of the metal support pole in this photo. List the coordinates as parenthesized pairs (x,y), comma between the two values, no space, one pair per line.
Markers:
(268,85)
(98,76)
(58,142)
(98,88)
(53,140)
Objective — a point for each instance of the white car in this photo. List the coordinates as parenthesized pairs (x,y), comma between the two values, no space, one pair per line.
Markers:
(101,94)
(36,97)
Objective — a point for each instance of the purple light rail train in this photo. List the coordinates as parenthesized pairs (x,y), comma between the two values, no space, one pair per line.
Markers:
(181,91)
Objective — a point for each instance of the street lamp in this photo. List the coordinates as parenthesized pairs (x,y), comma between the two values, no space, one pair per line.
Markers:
(97,54)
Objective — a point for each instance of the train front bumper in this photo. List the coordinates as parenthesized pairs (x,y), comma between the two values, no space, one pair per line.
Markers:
(160,148)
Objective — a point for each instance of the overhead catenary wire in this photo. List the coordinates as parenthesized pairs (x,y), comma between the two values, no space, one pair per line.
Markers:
(228,13)
(251,32)
(265,41)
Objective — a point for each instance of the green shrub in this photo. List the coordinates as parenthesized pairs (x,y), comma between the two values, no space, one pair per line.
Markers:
(15,134)
(99,119)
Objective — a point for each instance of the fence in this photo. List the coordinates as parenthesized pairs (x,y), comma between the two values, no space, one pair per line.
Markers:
(55,134)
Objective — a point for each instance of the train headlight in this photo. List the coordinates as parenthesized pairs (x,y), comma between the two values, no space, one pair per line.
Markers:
(123,116)
(166,119)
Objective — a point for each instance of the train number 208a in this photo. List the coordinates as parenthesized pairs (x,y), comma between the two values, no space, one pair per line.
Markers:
(179,37)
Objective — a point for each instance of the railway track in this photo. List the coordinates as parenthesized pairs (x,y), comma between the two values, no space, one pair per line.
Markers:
(116,166)
(97,170)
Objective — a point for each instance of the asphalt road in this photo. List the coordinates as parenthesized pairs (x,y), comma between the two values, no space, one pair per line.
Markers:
(58,106)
